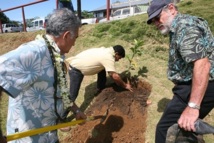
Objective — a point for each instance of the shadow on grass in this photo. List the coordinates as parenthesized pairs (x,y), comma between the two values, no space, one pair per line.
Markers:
(162,104)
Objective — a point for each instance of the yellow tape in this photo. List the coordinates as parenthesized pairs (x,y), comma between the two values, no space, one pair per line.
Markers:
(42,130)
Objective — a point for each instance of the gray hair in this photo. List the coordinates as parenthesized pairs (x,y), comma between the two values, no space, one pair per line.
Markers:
(165,8)
(62,20)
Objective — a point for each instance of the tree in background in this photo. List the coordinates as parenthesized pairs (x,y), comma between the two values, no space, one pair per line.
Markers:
(4,18)
(87,14)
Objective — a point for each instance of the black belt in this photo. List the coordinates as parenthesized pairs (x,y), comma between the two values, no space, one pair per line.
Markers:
(73,68)
(188,82)
(184,82)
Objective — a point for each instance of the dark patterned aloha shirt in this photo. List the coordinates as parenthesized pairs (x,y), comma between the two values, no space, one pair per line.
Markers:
(190,40)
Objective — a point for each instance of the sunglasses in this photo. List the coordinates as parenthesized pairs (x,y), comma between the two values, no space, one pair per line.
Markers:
(157,18)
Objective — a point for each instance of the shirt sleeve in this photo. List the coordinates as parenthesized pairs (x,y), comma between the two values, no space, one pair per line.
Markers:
(191,44)
(19,69)
(109,65)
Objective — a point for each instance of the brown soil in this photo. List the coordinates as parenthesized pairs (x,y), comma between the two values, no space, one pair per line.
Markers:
(125,122)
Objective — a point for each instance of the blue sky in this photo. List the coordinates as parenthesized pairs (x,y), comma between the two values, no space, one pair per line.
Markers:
(42,9)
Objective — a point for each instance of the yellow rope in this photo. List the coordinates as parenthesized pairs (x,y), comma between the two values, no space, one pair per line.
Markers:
(42,130)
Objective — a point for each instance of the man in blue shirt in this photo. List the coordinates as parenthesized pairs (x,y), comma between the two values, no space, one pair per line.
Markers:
(190,67)
(34,75)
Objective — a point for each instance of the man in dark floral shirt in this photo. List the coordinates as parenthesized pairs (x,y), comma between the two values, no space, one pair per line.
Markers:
(190,67)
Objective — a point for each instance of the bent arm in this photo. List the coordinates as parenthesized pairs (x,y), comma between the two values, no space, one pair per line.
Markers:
(200,80)
(117,79)
(199,85)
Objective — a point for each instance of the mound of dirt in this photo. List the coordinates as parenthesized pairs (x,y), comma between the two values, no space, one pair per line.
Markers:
(126,119)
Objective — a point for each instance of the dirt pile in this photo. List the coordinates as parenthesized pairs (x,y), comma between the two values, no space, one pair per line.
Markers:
(126,120)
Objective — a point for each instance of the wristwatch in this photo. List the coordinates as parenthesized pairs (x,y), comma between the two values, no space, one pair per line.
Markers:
(77,111)
(193,105)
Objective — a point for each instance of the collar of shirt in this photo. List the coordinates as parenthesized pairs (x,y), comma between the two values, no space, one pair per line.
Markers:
(173,25)
(52,43)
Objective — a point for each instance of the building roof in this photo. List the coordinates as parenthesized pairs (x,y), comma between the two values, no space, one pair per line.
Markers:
(122,4)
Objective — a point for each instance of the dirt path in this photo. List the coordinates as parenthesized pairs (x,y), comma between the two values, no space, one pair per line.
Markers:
(125,123)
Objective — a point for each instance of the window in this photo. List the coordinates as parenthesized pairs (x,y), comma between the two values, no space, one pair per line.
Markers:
(126,11)
(117,13)
(41,23)
(137,10)
(36,23)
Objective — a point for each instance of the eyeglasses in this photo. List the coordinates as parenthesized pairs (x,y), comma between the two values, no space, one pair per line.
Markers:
(157,18)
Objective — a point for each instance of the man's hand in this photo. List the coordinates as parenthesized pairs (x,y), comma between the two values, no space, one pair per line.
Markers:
(115,76)
(188,118)
(128,87)
(80,115)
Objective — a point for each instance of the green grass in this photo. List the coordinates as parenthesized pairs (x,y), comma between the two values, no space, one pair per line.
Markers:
(153,61)
(3,113)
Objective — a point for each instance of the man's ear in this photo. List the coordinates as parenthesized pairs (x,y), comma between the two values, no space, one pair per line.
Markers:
(172,8)
(110,73)
(116,53)
(66,34)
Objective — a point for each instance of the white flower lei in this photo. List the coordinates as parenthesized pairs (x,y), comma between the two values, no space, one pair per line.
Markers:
(61,69)
(62,81)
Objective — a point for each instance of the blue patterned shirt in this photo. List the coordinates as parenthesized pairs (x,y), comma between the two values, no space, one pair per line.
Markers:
(190,40)
(27,75)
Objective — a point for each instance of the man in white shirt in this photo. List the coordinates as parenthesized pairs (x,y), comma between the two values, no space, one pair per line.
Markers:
(95,61)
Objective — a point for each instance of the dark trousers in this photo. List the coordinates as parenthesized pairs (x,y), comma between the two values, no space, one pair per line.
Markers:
(101,80)
(76,78)
(176,106)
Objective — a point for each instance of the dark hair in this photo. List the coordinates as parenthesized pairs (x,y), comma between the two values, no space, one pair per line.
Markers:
(120,50)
